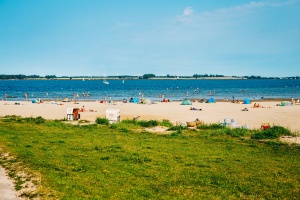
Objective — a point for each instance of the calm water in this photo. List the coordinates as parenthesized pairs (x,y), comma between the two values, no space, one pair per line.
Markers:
(153,89)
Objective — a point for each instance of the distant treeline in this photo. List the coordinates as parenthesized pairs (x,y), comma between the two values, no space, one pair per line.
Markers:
(21,76)
(145,76)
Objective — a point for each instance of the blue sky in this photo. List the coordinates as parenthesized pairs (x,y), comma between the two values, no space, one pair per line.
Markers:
(136,37)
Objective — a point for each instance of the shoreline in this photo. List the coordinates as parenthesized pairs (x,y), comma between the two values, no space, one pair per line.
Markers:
(191,99)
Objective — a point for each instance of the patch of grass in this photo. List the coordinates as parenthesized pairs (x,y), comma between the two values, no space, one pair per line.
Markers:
(210,126)
(177,128)
(166,123)
(150,123)
(18,183)
(102,121)
(115,162)
(271,133)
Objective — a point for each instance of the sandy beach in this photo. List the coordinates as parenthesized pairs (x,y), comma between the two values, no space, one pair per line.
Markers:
(286,116)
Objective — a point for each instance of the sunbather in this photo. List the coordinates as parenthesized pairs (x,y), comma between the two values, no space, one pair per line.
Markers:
(195,108)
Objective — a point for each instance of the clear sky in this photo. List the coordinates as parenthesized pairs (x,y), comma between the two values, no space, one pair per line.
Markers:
(136,37)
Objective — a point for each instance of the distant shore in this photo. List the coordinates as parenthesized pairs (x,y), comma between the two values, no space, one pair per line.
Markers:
(86,78)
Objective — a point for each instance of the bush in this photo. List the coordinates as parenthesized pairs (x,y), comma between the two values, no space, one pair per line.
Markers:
(103,121)
(271,133)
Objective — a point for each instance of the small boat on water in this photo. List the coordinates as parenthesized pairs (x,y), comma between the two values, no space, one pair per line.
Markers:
(105,82)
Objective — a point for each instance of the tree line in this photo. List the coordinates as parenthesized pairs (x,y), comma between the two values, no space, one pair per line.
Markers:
(21,76)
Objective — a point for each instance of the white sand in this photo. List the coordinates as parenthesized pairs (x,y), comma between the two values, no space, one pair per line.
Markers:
(286,116)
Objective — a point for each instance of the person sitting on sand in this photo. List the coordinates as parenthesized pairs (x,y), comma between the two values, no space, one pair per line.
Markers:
(82,109)
(198,122)
(256,105)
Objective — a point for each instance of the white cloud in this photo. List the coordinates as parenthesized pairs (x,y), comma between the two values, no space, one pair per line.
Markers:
(251,6)
(283,3)
(240,8)
(186,15)
(188,11)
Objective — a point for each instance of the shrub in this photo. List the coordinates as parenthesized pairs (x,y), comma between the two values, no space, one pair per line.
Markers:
(103,121)
(271,133)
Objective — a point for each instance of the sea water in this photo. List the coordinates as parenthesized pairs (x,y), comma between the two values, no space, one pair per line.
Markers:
(152,89)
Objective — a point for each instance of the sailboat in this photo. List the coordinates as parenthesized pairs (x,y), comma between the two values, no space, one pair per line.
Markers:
(105,82)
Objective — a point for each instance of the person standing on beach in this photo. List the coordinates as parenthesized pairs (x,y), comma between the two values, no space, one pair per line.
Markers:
(25,96)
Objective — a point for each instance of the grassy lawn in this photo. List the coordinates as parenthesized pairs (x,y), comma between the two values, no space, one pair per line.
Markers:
(119,162)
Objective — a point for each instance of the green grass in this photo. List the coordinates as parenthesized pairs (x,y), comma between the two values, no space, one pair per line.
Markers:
(117,162)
